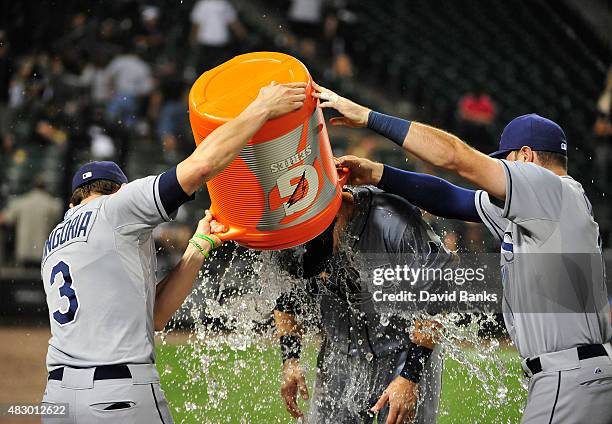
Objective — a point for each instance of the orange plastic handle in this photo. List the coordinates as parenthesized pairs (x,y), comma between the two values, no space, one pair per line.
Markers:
(231,234)
(343,175)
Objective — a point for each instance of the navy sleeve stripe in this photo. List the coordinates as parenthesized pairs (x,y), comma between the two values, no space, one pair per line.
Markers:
(395,129)
(171,193)
(155,200)
(484,212)
(492,223)
(508,191)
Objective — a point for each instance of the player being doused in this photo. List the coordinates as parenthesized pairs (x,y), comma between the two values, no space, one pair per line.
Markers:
(369,363)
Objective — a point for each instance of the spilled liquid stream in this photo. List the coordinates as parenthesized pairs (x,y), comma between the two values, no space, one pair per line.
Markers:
(230,364)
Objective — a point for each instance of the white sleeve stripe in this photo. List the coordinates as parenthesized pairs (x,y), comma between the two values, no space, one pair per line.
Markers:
(491,224)
(157,199)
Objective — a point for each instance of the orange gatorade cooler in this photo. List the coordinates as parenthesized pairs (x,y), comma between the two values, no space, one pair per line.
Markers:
(283,189)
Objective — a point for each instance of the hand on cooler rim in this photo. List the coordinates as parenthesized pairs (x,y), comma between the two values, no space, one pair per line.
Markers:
(354,115)
(208,226)
(361,171)
(279,99)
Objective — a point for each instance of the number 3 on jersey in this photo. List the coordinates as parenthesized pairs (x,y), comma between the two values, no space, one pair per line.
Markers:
(65,290)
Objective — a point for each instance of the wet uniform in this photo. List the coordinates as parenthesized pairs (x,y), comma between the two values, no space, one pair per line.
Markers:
(555,296)
(362,351)
(98,271)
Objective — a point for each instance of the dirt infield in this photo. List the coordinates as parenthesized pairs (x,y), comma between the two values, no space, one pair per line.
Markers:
(22,367)
(22,364)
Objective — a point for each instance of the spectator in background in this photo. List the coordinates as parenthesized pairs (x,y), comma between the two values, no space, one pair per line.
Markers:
(167,107)
(149,37)
(33,122)
(95,78)
(80,34)
(6,73)
(476,115)
(130,82)
(213,22)
(602,132)
(33,214)
(603,129)
(306,21)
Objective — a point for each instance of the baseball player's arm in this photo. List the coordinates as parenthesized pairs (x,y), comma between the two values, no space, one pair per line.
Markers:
(429,144)
(401,393)
(222,145)
(290,335)
(172,291)
(432,194)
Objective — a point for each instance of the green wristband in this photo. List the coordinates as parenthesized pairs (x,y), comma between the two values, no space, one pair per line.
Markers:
(199,247)
(207,238)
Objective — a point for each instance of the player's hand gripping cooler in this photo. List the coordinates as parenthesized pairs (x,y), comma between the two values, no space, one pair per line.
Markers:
(283,189)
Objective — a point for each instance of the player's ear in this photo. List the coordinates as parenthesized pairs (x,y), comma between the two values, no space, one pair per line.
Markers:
(525,154)
(70,205)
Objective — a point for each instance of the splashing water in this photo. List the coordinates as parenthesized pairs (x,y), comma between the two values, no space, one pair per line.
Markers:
(229,365)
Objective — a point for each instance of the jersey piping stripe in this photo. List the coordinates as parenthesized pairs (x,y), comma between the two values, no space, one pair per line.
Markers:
(552,414)
(156,405)
(509,191)
(155,200)
(508,305)
(492,224)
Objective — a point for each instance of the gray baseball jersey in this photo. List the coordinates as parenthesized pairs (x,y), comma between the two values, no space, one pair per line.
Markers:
(98,271)
(555,296)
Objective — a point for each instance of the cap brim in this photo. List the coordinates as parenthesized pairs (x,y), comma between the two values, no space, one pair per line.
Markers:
(500,153)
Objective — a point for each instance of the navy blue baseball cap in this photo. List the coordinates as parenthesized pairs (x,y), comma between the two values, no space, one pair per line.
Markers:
(92,171)
(533,131)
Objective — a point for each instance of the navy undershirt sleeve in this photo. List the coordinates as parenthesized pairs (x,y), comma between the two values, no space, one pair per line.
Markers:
(171,193)
(395,129)
(435,195)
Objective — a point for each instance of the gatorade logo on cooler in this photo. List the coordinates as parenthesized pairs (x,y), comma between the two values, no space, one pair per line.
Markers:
(294,183)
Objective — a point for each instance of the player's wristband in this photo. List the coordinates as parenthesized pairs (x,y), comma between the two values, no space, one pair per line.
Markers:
(199,247)
(291,347)
(417,356)
(395,129)
(207,238)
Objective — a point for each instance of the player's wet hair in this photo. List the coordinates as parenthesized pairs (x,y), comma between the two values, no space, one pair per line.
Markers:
(94,187)
(552,159)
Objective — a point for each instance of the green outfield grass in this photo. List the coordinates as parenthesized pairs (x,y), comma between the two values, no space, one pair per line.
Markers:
(243,387)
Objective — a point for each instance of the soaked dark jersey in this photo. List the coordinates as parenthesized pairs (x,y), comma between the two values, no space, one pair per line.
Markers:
(384,231)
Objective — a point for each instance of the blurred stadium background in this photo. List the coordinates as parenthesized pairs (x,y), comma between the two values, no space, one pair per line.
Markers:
(108,80)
